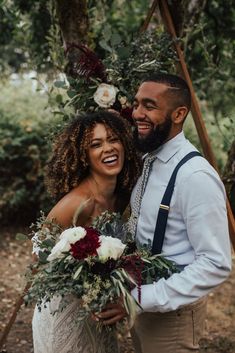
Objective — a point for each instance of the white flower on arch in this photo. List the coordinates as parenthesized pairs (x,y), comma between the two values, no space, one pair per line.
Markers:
(105,95)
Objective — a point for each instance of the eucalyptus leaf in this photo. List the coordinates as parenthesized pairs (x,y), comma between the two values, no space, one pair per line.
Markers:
(71,94)
(123,52)
(43,255)
(109,229)
(115,39)
(21,237)
(107,33)
(59,98)
(61,266)
(47,243)
(77,273)
(132,308)
(60,84)
(105,45)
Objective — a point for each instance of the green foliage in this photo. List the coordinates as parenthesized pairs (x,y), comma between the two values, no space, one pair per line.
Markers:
(129,61)
(23,151)
(220,139)
(53,38)
(12,54)
(123,17)
(209,51)
(22,157)
(126,62)
(24,26)
(38,21)
(30,35)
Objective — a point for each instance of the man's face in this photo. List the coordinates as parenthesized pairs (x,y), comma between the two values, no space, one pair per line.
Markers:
(151,113)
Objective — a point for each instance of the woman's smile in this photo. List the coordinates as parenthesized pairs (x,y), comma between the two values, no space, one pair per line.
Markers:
(111,160)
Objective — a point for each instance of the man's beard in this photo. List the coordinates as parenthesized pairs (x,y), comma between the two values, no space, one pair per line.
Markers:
(155,138)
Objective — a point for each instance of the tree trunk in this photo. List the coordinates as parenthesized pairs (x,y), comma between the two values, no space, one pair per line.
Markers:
(74,25)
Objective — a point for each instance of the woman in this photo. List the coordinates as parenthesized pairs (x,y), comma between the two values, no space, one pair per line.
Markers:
(94,165)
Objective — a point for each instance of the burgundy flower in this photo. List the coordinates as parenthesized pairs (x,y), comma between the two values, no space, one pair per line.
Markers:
(86,246)
(134,265)
(104,269)
(88,64)
(127,114)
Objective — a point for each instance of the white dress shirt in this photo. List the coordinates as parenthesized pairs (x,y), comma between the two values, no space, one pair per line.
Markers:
(196,238)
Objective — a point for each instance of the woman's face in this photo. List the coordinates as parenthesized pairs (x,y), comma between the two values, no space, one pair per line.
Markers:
(105,152)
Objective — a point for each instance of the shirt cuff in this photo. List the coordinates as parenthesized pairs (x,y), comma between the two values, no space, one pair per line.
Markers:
(147,297)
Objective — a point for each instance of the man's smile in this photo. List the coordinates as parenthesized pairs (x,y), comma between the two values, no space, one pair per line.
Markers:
(144,127)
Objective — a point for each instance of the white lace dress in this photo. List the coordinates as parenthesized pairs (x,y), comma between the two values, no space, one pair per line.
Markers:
(62,333)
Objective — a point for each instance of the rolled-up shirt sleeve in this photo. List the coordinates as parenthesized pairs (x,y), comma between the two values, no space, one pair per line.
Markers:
(202,202)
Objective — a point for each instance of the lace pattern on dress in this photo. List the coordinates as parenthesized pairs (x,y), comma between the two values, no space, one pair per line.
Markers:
(62,332)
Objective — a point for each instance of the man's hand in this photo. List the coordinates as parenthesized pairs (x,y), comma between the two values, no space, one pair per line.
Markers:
(112,313)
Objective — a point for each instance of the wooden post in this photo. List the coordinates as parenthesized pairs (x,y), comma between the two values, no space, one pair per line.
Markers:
(149,16)
(196,113)
(13,316)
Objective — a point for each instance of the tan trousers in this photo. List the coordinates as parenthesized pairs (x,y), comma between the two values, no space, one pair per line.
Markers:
(173,332)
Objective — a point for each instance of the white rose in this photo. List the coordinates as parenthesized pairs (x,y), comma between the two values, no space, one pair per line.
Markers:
(110,248)
(57,251)
(73,234)
(67,237)
(105,95)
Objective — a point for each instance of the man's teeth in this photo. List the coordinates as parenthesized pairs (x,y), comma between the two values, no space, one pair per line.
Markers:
(110,159)
(143,126)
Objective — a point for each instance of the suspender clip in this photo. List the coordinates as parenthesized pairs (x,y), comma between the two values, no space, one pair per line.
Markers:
(164,207)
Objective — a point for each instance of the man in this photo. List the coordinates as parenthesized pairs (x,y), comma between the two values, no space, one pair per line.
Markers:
(196,235)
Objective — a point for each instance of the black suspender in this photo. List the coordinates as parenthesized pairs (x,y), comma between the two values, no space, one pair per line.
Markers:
(165,206)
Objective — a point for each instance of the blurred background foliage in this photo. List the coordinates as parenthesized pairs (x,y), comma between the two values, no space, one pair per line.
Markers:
(24,124)
(32,44)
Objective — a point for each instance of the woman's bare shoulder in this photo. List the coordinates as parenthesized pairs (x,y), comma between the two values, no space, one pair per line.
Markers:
(79,200)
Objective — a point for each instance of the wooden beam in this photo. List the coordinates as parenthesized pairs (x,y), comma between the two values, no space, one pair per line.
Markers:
(10,323)
(196,113)
(149,16)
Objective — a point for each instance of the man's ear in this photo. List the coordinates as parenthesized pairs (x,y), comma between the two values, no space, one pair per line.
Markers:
(179,114)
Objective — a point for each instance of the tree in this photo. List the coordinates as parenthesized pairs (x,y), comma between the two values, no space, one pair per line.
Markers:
(24,25)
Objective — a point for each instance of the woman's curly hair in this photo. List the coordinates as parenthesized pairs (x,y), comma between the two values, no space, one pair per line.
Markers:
(68,165)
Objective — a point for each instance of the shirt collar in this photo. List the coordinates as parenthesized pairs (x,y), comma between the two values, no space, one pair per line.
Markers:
(165,152)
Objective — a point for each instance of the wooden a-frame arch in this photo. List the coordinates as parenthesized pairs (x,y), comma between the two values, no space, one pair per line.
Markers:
(198,120)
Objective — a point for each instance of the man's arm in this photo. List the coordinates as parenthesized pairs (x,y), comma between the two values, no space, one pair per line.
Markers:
(203,206)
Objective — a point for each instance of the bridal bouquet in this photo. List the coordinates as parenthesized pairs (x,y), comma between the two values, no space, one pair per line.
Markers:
(97,264)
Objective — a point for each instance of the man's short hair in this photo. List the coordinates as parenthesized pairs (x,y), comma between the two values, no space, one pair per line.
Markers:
(178,92)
